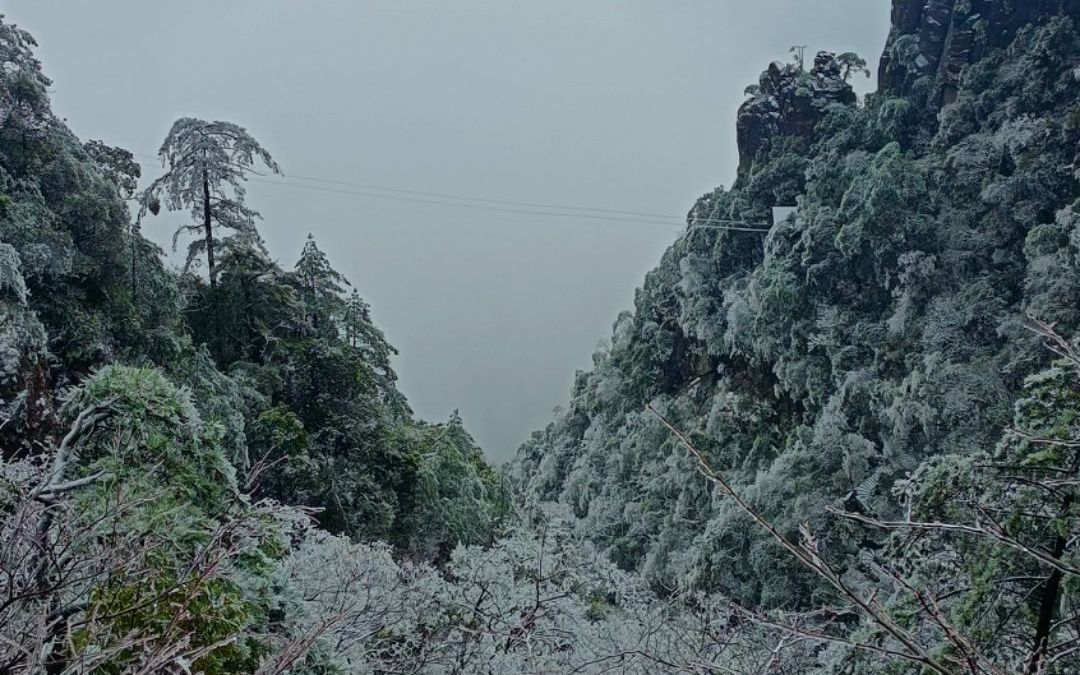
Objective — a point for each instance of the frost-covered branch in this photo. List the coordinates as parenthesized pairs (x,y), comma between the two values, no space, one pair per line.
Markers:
(994,531)
(809,557)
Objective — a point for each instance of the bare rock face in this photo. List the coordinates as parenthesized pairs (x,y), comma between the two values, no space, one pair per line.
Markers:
(788,102)
(937,39)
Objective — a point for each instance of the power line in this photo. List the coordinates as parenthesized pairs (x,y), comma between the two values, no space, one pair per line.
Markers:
(481,200)
(736,225)
(504,206)
(435,202)
(729,228)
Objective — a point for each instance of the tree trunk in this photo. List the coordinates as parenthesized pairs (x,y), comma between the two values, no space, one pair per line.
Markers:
(212,270)
(1048,602)
(134,252)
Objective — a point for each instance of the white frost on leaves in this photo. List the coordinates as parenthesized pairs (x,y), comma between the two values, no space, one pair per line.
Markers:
(11,278)
(540,601)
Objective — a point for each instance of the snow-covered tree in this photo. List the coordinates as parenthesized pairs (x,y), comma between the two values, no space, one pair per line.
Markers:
(23,360)
(361,334)
(321,286)
(207,164)
(24,100)
(118,165)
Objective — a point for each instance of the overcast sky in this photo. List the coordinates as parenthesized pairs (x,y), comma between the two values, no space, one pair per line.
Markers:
(612,105)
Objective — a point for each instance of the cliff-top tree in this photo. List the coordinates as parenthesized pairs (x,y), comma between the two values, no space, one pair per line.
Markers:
(852,64)
(321,285)
(24,99)
(207,164)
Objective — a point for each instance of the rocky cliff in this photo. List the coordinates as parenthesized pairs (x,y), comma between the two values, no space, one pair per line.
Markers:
(929,46)
(788,102)
(933,41)
(832,354)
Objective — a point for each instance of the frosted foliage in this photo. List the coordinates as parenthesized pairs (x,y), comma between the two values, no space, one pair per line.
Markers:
(884,325)
(358,587)
(541,601)
(44,251)
(219,151)
(22,337)
(320,281)
(11,279)
(207,165)
(219,400)
(23,86)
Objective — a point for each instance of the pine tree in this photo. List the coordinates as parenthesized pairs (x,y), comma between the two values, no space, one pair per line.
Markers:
(207,164)
(24,98)
(321,285)
(852,64)
(363,335)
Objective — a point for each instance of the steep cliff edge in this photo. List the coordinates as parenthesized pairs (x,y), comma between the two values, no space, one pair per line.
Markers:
(929,46)
(788,103)
(834,352)
(933,41)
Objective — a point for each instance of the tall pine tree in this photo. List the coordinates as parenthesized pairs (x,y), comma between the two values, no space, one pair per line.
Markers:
(321,286)
(207,164)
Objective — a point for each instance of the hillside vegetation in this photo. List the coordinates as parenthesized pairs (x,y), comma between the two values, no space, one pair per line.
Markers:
(843,440)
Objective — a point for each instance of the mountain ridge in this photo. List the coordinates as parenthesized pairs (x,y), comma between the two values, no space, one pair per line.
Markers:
(881,326)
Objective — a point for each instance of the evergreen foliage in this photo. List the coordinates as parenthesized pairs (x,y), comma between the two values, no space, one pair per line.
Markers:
(847,445)
(151,424)
(208,163)
(879,327)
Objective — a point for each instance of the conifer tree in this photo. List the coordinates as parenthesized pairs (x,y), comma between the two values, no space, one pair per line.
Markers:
(321,285)
(852,64)
(361,334)
(24,99)
(116,164)
(253,304)
(207,164)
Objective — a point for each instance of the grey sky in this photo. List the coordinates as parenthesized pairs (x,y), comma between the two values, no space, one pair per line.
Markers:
(621,105)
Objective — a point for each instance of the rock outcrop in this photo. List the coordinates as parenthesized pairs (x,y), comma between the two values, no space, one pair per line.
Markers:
(937,39)
(929,46)
(788,102)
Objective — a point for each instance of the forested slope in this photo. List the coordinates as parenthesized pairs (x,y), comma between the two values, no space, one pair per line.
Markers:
(154,418)
(841,442)
(817,362)
(286,365)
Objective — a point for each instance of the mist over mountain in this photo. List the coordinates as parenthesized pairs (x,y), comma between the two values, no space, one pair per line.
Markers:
(839,432)
(601,104)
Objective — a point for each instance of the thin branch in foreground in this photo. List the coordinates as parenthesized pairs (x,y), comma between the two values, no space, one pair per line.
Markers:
(913,651)
(978,530)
